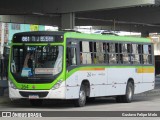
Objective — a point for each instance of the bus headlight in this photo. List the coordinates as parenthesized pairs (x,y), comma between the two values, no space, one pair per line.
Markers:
(12,85)
(57,85)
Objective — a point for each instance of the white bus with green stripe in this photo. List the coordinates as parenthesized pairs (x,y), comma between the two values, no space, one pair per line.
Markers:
(79,67)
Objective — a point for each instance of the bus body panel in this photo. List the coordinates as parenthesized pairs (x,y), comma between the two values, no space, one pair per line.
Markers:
(112,81)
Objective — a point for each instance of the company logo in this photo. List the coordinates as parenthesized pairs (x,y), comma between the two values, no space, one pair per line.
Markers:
(33,87)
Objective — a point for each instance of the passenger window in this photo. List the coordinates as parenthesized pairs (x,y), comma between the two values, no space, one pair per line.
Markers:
(85,52)
(113,53)
(135,56)
(140,51)
(105,51)
(100,52)
(147,54)
(125,53)
(150,52)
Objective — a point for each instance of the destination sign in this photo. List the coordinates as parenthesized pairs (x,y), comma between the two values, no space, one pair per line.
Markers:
(37,39)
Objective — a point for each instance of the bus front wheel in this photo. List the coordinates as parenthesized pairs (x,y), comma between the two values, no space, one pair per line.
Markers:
(81,101)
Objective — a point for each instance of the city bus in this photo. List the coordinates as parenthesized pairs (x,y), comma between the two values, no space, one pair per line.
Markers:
(76,66)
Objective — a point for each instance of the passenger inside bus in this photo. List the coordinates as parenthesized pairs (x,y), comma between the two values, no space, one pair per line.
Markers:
(28,62)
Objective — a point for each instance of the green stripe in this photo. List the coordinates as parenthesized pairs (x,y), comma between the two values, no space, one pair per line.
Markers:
(106,37)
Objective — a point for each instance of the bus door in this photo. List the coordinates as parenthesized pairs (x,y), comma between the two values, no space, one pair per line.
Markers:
(136,59)
(148,70)
(71,64)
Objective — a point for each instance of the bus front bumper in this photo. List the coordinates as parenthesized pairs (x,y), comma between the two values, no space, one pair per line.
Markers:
(37,94)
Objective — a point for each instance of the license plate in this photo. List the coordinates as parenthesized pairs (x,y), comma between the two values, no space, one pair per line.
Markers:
(33,96)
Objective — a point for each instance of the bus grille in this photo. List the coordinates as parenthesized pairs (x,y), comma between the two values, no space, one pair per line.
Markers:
(40,94)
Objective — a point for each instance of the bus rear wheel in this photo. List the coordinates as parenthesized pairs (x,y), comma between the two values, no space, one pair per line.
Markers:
(127,98)
(81,101)
(36,102)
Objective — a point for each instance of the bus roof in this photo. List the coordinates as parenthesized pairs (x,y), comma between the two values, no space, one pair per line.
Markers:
(106,37)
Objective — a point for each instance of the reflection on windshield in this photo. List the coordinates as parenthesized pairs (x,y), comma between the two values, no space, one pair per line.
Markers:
(28,61)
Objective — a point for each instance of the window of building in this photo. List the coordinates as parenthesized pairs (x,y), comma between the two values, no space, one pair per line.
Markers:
(15,26)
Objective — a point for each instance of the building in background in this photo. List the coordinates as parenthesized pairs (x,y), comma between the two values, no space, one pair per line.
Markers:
(156,41)
(15,28)
(6,32)
(12,28)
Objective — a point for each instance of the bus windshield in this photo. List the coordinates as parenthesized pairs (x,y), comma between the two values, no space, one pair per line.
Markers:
(32,61)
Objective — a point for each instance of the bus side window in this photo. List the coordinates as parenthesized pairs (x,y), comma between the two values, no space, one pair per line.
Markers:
(120,54)
(147,54)
(112,53)
(86,54)
(135,58)
(150,52)
(125,52)
(100,53)
(140,51)
(105,52)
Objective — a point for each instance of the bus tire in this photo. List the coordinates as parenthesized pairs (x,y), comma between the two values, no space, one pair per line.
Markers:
(36,102)
(81,101)
(127,98)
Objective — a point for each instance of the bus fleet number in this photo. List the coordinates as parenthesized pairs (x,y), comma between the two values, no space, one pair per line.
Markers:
(24,87)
